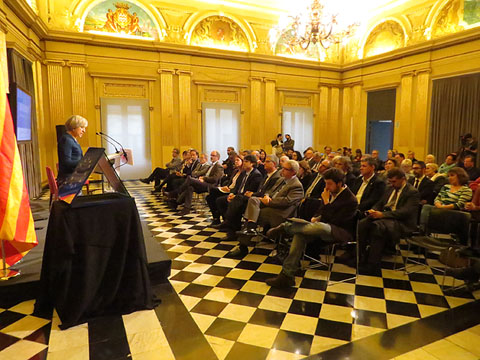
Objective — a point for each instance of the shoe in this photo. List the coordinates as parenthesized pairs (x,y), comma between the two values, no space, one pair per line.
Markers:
(183,212)
(239,253)
(276,232)
(172,204)
(223,226)
(230,237)
(215,222)
(345,258)
(467,274)
(281,281)
(145,181)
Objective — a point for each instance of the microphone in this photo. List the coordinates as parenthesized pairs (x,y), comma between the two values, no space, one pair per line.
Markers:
(111,143)
(121,146)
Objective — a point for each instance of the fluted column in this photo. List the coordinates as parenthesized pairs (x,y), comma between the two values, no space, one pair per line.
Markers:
(345,124)
(403,130)
(79,93)
(55,91)
(185,106)
(322,126)
(271,114)
(255,113)
(358,127)
(334,122)
(169,133)
(420,116)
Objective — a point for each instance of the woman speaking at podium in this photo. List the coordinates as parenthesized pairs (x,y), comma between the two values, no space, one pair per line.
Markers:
(69,150)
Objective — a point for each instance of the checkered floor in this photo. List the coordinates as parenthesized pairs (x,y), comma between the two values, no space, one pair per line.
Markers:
(238,314)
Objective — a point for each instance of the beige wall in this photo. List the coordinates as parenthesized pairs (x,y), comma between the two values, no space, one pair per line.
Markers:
(73,71)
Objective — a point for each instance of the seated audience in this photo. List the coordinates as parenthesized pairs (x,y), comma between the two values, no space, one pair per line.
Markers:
(422,183)
(200,185)
(233,208)
(273,208)
(224,190)
(450,163)
(289,143)
(389,164)
(406,166)
(455,194)
(308,156)
(334,222)
(311,201)
(326,151)
(343,163)
(469,166)
(368,187)
(175,180)
(315,162)
(399,157)
(411,156)
(431,171)
(297,156)
(380,164)
(171,167)
(305,175)
(394,216)
(430,159)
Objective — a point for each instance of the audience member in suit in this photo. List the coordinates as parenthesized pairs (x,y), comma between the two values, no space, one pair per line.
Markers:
(311,201)
(334,222)
(171,167)
(389,164)
(315,163)
(411,156)
(430,159)
(175,179)
(273,208)
(308,157)
(431,171)
(422,183)
(469,166)
(223,191)
(259,164)
(393,216)
(380,164)
(233,207)
(368,187)
(289,143)
(345,164)
(456,194)
(200,185)
(305,175)
(228,165)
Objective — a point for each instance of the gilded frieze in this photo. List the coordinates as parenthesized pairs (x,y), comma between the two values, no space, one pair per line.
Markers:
(385,37)
(448,20)
(219,32)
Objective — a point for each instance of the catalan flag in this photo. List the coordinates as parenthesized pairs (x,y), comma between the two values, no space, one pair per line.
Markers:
(17,231)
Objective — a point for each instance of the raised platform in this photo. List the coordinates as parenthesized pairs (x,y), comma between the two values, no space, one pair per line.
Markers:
(24,287)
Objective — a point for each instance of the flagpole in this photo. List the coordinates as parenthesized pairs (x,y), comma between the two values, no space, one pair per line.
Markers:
(6,273)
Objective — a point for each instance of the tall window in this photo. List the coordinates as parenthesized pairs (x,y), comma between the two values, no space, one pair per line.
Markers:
(298,122)
(221,127)
(127,121)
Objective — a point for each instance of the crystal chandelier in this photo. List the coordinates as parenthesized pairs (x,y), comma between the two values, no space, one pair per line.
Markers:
(312,26)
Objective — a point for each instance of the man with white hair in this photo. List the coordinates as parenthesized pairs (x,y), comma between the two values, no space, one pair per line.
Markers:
(273,208)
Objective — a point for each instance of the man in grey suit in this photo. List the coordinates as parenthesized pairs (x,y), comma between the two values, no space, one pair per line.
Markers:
(273,208)
(393,216)
(159,174)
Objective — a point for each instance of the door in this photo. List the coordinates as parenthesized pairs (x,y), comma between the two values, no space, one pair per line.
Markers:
(380,136)
(127,121)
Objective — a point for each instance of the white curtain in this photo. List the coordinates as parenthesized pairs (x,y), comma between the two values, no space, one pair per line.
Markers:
(127,121)
(221,127)
(298,122)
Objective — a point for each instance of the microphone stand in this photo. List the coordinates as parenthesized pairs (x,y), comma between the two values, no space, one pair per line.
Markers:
(121,146)
(108,141)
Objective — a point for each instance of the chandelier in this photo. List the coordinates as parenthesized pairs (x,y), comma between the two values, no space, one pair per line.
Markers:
(312,26)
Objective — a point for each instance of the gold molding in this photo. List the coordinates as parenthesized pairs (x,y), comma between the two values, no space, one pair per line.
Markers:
(391,85)
(255,78)
(183,73)
(124,90)
(265,79)
(293,90)
(48,62)
(408,73)
(213,83)
(166,71)
(122,76)
(76,63)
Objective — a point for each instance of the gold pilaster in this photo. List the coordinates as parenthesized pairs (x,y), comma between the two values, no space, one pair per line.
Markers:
(256,120)
(358,126)
(169,132)
(403,130)
(272,120)
(346,123)
(323,132)
(79,94)
(55,91)
(185,105)
(333,139)
(420,116)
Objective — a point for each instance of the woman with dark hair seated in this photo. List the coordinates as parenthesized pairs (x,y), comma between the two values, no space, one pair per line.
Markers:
(297,156)
(456,194)
(305,174)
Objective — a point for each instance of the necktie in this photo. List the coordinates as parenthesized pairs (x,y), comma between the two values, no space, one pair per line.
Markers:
(277,188)
(312,186)
(244,181)
(391,203)
(416,184)
(209,170)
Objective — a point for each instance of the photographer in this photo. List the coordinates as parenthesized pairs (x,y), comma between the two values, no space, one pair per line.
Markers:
(469,147)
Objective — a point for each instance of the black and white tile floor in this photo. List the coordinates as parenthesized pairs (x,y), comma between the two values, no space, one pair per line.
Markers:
(222,309)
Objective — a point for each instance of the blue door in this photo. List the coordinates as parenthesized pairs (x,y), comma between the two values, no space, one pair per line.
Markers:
(380,137)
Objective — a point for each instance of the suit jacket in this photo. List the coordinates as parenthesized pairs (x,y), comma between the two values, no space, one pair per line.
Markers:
(406,212)
(372,193)
(215,174)
(319,187)
(174,165)
(340,215)
(266,185)
(188,169)
(288,144)
(252,184)
(200,170)
(285,194)
(350,179)
(425,188)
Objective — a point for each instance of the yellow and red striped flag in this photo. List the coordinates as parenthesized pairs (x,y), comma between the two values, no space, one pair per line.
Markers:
(17,231)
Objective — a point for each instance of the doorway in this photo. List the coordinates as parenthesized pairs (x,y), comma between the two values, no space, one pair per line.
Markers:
(127,121)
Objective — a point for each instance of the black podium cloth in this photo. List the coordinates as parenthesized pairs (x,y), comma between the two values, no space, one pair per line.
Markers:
(94,261)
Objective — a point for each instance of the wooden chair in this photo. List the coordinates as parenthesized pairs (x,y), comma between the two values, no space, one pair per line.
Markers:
(52,185)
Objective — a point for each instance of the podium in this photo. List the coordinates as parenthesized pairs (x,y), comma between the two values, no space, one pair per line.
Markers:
(120,159)
(94,262)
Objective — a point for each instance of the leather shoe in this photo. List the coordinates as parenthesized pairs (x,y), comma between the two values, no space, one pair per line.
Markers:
(467,274)
(345,258)
(239,253)
(183,212)
(276,232)
(230,236)
(145,181)
(247,232)
(281,281)
(215,222)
